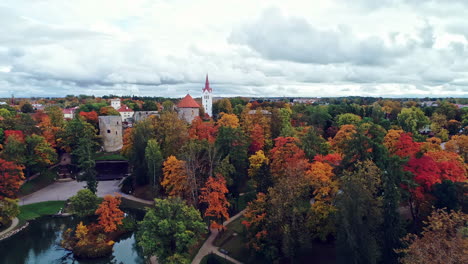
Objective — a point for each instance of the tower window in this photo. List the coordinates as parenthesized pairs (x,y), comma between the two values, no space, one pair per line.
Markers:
(108,131)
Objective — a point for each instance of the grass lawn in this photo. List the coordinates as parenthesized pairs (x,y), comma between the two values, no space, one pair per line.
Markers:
(233,227)
(214,259)
(109,156)
(32,211)
(45,179)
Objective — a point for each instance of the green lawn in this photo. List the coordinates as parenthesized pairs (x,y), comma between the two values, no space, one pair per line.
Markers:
(45,179)
(235,226)
(32,211)
(214,259)
(109,156)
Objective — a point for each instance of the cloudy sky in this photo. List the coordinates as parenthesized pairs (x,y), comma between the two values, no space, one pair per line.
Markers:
(389,48)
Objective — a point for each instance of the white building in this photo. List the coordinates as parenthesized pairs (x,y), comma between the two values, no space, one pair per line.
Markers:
(207,98)
(69,113)
(115,103)
(126,113)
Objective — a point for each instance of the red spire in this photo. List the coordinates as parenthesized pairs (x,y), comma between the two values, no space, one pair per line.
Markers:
(207,85)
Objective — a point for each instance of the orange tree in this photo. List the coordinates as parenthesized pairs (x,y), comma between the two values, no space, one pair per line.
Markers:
(214,196)
(109,214)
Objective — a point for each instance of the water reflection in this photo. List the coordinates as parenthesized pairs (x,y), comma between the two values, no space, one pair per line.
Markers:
(40,243)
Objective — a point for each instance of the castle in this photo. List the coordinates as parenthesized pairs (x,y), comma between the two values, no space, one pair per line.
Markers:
(188,109)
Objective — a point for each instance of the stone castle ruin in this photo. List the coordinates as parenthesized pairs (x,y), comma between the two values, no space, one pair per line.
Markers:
(110,128)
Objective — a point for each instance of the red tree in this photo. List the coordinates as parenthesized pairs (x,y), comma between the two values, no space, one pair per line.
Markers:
(18,134)
(406,147)
(203,130)
(257,138)
(285,153)
(90,117)
(11,179)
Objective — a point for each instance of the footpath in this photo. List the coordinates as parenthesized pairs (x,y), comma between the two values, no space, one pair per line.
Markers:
(209,248)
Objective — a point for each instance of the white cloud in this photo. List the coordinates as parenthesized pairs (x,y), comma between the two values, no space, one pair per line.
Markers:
(261,48)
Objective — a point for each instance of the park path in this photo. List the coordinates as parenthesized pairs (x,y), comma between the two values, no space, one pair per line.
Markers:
(60,191)
(13,225)
(208,246)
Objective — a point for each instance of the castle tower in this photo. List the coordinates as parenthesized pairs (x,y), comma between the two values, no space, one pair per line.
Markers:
(110,129)
(207,98)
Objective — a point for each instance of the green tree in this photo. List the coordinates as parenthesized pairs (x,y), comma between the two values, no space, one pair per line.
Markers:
(56,115)
(313,143)
(154,160)
(359,216)
(150,106)
(84,203)
(169,229)
(27,108)
(171,133)
(85,160)
(142,132)
(348,119)
(412,119)
(9,209)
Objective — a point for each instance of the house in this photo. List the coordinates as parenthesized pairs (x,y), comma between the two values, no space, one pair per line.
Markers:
(115,103)
(188,109)
(69,113)
(126,113)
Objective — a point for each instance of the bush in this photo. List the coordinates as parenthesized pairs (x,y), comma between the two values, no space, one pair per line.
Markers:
(9,209)
(84,203)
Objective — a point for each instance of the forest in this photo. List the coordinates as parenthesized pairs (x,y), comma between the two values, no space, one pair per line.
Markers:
(377,180)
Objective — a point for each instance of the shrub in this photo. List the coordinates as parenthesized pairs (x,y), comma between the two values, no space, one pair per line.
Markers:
(84,203)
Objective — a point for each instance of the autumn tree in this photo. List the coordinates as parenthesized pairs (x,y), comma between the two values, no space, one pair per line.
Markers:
(256,223)
(175,177)
(109,214)
(91,117)
(39,154)
(259,171)
(443,240)
(171,133)
(325,184)
(257,139)
(228,120)
(459,145)
(285,153)
(11,179)
(214,196)
(203,130)
(169,230)
(346,132)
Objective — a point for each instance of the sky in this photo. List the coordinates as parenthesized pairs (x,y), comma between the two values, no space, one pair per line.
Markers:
(385,48)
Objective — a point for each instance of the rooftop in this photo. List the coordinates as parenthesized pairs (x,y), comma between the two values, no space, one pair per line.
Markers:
(188,102)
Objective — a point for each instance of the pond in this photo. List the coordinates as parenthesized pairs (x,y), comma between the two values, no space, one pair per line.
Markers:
(40,243)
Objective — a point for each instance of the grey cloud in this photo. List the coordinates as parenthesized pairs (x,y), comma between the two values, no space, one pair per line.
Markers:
(293,39)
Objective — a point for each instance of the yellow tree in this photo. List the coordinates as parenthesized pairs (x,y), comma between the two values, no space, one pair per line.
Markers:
(175,177)
(442,240)
(344,135)
(391,139)
(228,120)
(459,145)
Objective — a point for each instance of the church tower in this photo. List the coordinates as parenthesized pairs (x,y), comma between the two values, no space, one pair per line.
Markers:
(207,98)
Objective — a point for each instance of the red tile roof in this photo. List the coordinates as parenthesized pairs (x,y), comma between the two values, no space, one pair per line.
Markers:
(188,102)
(124,108)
